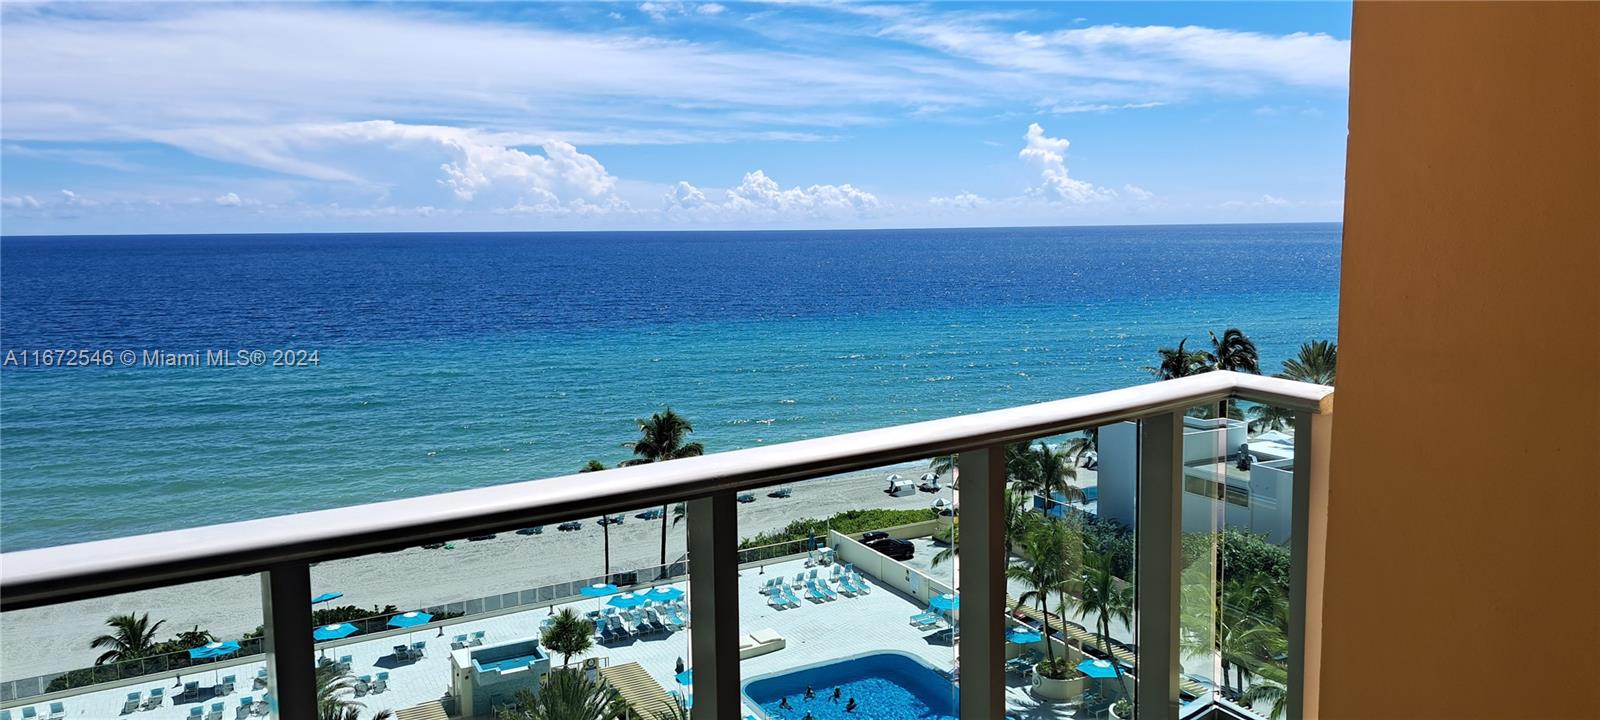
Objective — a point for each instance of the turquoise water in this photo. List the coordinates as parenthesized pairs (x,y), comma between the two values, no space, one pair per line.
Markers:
(456,361)
(885,686)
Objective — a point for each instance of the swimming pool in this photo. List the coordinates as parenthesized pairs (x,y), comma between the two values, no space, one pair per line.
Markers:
(885,685)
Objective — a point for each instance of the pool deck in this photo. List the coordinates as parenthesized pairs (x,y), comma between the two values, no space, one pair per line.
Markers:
(813,632)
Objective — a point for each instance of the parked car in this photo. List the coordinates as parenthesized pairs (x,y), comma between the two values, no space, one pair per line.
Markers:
(893,549)
(868,537)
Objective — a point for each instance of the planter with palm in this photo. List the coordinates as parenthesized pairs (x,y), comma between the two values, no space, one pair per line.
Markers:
(130,637)
(661,438)
(567,695)
(1049,549)
(568,634)
(1106,598)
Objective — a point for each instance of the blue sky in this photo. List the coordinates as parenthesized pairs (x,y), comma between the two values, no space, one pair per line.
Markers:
(133,118)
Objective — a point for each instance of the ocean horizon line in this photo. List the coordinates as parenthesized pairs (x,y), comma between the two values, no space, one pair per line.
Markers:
(658,231)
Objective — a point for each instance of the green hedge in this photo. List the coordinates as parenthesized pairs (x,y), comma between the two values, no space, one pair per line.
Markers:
(848,522)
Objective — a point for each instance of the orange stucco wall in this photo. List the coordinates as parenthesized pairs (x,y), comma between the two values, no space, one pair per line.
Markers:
(1462,574)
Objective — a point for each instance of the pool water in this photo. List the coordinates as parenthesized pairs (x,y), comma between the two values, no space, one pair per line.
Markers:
(886,686)
(506,664)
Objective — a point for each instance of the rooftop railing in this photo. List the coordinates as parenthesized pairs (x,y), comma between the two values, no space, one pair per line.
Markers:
(282,549)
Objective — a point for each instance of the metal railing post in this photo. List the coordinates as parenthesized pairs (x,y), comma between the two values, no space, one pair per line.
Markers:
(982,567)
(714,606)
(1313,433)
(1157,564)
(286,610)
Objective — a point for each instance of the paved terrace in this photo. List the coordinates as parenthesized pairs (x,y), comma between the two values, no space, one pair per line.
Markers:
(813,632)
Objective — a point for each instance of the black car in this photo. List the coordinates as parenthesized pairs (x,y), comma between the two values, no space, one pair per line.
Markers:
(893,549)
(868,537)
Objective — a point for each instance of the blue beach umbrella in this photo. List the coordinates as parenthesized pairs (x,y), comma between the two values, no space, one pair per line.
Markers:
(325,597)
(665,593)
(627,600)
(334,631)
(214,650)
(1098,669)
(598,590)
(410,619)
(1023,636)
(686,677)
(945,602)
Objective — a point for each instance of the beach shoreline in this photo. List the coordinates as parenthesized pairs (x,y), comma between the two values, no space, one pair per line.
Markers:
(56,638)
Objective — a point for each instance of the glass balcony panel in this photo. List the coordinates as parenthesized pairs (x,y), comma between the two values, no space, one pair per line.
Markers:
(1238,488)
(848,601)
(170,648)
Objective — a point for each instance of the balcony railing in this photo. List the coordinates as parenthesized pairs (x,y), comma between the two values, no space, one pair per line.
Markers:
(282,549)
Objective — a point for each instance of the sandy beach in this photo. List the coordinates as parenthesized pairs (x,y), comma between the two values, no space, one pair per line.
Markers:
(56,638)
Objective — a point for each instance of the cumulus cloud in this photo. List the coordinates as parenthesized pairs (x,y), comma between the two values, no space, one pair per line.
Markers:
(228,200)
(1137,193)
(660,9)
(1048,156)
(960,201)
(21,201)
(1267,200)
(758,197)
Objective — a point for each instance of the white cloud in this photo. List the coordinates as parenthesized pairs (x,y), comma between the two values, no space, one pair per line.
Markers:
(1271,200)
(1137,193)
(1267,201)
(960,201)
(1070,108)
(759,197)
(1047,155)
(660,9)
(69,197)
(20,201)
(710,8)
(228,200)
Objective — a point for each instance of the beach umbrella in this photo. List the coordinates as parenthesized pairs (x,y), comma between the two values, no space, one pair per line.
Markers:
(598,590)
(686,677)
(325,597)
(665,593)
(1023,636)
(929,477)
(1098,669)
(627,600)
(334,631)
(945,602)
(410,619)
(213,651)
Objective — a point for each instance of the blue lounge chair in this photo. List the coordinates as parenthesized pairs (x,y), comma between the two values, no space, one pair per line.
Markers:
(363,685)
(418,648)
(458,642)
(135,699)
(344,663)
(381,684)
(216,712)
(477,638)
(246,708)
(197,712)
(814,594)
(156,698)
(29,713)
(924,619)
(5,715)
(57,711)
(228,681)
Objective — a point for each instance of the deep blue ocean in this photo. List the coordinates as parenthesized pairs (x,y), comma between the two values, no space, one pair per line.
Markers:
(449,361)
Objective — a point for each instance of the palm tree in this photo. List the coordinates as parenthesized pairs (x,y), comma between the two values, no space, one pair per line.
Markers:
(673,709)
(1040,469)
(195,637)
(1178,362)
(1246,631)
(661,438)
(566,695)
(1107,598)
(1044,571)
(336,695)
(1019,522)
(1270,417)
(1088,441)
(1317,362)
(949,553)
(131,637)
(1272,686)
(605,527)
(568,634)
(1233,351)
(947,465)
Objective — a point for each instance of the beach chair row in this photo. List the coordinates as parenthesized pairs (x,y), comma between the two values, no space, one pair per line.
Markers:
(367,685)
(782,595)
(57,710)
(649,619)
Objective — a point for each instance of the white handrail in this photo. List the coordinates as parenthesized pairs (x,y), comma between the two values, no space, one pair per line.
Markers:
(31,578)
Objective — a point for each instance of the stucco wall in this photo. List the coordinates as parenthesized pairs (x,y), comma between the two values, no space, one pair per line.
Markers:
(1470,299)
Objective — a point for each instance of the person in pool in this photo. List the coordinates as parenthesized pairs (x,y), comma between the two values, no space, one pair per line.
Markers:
(836,693)
(850,707)
(784,704)
(810,693)
(808,716)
